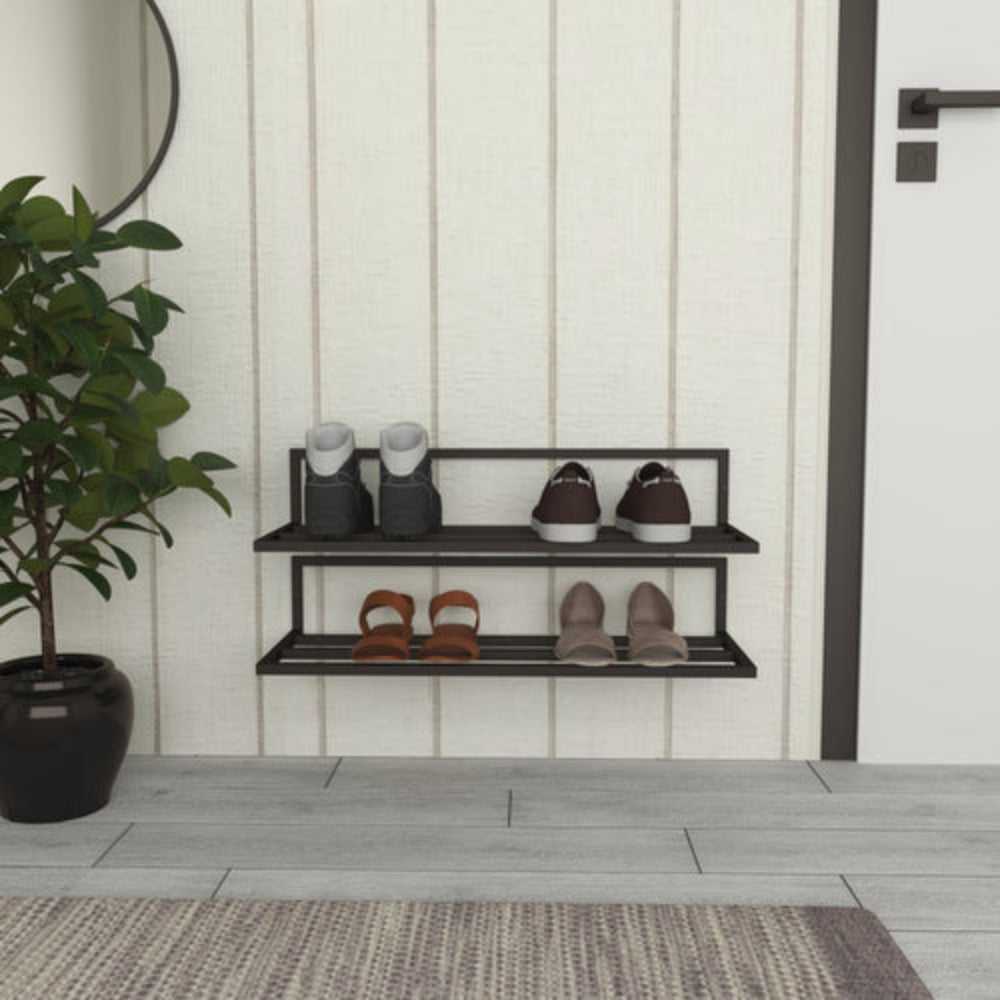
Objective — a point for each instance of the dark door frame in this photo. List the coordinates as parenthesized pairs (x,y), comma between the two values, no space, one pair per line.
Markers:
(848,376)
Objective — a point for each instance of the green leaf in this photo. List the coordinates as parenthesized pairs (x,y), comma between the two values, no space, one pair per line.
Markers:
(98,581)
(118,495)
(10,459)
(146,235)
(126,562)
(21,385)
(211,462)
(132,526)
(17,190)
(83,217)
(34,566)
(83,255)
(13,592)
(144,368)
(34,210)
(86,511)
(102,387)
(53,233)
(64,492)
(168,539)
(163,408)
(85,453)
(6,316)
(16,234)
(10,264)
(93,294)
(8,501)
(219,499)
(141,435)
(37,433)
(40,268)
(82,340)
(150,310)
(10,614)
(187,474)
(93,437)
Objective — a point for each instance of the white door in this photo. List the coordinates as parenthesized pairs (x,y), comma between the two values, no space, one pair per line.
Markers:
(930,631)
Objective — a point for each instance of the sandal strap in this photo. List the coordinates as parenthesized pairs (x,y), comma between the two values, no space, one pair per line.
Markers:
(454,599)
(402,604)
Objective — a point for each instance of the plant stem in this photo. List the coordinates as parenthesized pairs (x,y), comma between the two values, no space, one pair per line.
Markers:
(46,616)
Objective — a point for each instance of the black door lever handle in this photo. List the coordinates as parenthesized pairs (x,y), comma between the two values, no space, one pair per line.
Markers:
(919,106)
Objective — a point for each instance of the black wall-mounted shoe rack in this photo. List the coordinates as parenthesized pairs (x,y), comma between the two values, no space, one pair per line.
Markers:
(302,653)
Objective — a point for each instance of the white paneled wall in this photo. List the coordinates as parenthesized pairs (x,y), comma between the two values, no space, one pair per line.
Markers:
(571,222)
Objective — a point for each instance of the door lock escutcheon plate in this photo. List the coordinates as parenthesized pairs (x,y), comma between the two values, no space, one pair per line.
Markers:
(916,161)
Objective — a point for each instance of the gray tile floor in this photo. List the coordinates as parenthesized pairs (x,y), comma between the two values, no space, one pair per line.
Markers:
(920,846)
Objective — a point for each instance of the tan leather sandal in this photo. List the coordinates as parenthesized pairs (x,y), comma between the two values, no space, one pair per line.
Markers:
(390,641)
(452,643)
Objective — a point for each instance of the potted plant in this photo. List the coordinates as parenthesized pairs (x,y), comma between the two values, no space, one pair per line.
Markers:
(81,405)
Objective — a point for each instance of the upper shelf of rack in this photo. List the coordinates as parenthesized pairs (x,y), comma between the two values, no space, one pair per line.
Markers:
(496,539)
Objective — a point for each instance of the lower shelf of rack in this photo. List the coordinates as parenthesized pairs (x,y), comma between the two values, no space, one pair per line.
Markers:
(500,656)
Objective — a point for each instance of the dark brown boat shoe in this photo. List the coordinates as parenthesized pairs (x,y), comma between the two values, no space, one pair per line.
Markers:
(568,510)
(655,507)
(652,641)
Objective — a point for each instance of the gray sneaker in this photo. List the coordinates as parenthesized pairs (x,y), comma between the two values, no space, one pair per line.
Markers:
(338,504)
(409,503)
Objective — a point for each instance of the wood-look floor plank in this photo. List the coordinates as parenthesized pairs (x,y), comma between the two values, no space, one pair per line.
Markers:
(954,966)
(138,883)
(182,802)
(771,777)
(75,842)
(921,779)
(568,887)
(911,903)
(392,848)
(621,807)
(876,852)
(146,771)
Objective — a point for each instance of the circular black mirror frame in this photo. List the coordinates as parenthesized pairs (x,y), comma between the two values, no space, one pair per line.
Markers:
(168,133)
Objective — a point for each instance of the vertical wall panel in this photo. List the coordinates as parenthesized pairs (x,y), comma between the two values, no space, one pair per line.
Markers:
(736,192)
(375,306)
(492,379)
(613,317)
(284,286)
(809,457)
(205,583)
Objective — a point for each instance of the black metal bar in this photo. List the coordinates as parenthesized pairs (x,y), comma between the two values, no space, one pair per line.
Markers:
(721,589)
(273,656)
(298,614)
(295,485)
(933,99)
(739,656)
(298,454)
(539,562)
(496,538)
(722,489)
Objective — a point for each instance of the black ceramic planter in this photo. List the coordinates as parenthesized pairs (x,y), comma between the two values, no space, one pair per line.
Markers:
(61,741)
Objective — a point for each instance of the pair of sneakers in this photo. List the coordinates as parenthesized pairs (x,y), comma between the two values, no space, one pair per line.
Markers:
(654,508)
(338,504)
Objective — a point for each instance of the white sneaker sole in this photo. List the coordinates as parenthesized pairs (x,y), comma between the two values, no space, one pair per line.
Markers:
(654,532)
(565,533)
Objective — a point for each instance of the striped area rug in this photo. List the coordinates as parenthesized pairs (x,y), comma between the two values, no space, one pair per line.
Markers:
(245,949)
